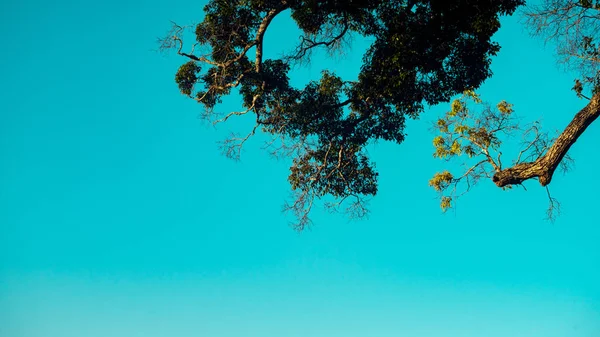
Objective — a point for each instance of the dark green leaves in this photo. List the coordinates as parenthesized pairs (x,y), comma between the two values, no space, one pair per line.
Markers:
(186,77)
(424,52)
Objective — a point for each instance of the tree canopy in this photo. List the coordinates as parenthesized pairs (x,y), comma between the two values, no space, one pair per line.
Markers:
(476,135)
(423,53)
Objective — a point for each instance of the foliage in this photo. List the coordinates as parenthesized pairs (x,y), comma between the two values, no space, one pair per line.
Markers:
(424,52)
(573,26)
(472,132)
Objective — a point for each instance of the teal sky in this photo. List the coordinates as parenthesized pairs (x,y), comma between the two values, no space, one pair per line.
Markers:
(120,217)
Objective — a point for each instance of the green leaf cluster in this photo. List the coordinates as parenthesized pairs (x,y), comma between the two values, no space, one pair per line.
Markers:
(470,131)
(423,53)
(187,76)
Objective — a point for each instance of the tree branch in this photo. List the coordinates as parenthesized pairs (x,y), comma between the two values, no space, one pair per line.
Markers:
(543,168)
(260,33)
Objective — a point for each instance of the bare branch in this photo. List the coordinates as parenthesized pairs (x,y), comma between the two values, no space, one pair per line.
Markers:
(238,113)
(232,147)
(553,207)
(331,38)
(571,25)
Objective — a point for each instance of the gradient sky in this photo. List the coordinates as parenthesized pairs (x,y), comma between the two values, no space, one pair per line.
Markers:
(120,217)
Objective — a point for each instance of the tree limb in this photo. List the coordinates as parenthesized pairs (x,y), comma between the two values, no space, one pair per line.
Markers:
(261,33)
(543,168)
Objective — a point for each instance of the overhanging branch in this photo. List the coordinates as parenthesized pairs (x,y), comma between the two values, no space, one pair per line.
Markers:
(543,168)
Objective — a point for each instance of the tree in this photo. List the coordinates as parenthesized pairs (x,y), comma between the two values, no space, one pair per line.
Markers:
(424,52)
(573,25)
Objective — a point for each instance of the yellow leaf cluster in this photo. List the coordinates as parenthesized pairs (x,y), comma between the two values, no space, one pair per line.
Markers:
(461,129)
(442,125)
(441,180)
(446,203)
(455,148)
(456,107)
(472,95)
(438,141)
(505,108)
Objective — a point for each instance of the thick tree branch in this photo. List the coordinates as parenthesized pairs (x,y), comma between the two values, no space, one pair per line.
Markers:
(543,168)
(260,34)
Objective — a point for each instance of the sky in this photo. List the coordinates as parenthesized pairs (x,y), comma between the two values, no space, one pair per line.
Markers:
(120,217)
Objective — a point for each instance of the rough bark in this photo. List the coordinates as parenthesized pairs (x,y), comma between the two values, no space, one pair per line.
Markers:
(543,168)
(260,34)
